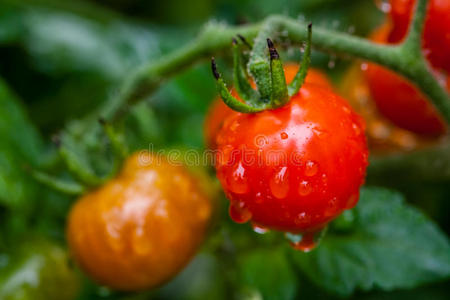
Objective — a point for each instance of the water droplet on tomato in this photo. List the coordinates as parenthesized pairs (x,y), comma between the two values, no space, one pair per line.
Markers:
(356,129)
(225,156)
(259,229)
(284,135)
(140,243)
(332,207)
(304,188)
(364,66)
(302,219)
(279,185)
(352,200)
(383,5)
(238,183)
(234,125)
(258,198)
(307,241)
(311,168)
(239,212)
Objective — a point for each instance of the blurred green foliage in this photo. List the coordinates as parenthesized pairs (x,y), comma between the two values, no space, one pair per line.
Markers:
(61,60)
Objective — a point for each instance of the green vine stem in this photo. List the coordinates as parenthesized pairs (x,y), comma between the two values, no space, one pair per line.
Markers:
(406,58)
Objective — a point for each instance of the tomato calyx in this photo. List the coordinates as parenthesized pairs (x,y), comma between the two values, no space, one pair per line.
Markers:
(268,73)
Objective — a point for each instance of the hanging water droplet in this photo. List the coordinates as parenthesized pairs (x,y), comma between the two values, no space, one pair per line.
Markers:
(304,188)
(239,212)
(311,168)
(307,241)
(259,229)
(279,185)
(237,183)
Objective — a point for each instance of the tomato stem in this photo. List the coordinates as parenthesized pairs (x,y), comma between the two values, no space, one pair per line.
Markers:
(66,187)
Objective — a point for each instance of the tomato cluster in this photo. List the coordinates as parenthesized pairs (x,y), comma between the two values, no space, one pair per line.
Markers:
(293,168)
(141,228)
(396,98)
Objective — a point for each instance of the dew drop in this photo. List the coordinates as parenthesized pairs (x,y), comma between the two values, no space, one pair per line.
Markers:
(356,129)
(302,219)
(225,156)
(352,200)
(237,183)
(279,185)
(332,207)
(307,241)
(140,243)
(239,212)
(383,5)
(364,66)
(259,229)
(305,188)
(234,125)
(311,168)
(258,198)
(284,135)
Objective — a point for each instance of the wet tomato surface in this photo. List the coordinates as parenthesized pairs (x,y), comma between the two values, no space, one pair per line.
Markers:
(294,168)
(141,228)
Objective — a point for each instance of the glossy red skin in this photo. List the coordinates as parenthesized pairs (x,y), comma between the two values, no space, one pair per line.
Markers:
(399,100)
(219,110)
(325,158)
(436,37)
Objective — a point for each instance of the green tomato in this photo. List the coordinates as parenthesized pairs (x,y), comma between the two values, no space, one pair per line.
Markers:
(37,270)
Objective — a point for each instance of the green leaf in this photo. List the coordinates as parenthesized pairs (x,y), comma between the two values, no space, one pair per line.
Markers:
(20,145)
(392,245)
(268,273)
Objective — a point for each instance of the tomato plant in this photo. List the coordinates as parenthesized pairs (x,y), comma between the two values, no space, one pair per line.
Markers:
(84,84)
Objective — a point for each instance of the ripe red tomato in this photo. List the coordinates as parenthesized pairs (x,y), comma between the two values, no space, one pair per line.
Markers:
(141,228)
(219,110)
(436,36)
(294,168)
(398,99)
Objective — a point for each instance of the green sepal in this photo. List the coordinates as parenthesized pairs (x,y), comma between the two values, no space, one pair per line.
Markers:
(279,95)
(241,83)
(259,63)
(299,78)
(232,102)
